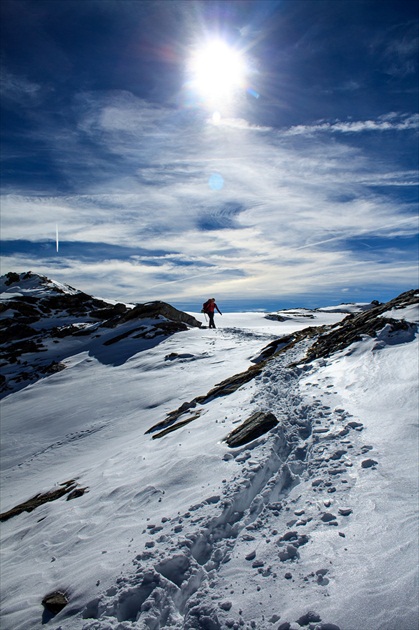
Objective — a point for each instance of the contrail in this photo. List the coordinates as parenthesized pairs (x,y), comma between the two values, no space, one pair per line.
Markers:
(360,233)
(197,275)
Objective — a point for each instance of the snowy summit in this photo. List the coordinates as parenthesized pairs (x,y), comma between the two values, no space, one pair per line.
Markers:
(159,474)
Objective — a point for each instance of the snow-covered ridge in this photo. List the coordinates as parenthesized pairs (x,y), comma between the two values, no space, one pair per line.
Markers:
(305,314)
(31,285)
(304,522)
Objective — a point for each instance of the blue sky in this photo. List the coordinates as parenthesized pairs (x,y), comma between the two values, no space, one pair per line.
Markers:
(303,189)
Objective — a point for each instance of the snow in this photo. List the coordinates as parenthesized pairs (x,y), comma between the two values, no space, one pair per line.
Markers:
(408,313)
(32,285)
(346,308)
(185,532)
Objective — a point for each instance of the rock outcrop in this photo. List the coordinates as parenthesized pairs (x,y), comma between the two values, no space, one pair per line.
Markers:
(55,602)
(258,424)
(43,321)
(69,488)
(369,322)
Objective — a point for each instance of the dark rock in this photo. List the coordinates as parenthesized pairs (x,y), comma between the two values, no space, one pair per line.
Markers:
(252,428)
(274,618)
(21,309)
(12,278)
(327,517)
(77,492)
(309,617)
(257,563)
(355,425)
(22,347)
(40,499)
(366,448)
(155,309)
(289,553)
(273,347)
(16,331)
(338,454)
(55,602)
(368,463)
(53,368)
(301,452)
(110,312)
(175,427)
(292,535)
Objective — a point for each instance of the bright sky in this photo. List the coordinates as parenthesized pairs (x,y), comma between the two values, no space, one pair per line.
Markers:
(260,151)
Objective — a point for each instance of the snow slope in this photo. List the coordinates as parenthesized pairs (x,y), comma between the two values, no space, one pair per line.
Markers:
(313,524)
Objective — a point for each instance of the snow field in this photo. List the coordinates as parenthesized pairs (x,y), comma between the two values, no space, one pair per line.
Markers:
(298,527)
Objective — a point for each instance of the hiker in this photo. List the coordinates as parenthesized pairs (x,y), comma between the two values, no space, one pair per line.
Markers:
(209,308)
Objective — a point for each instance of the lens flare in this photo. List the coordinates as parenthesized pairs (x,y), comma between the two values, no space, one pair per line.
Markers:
(216,181)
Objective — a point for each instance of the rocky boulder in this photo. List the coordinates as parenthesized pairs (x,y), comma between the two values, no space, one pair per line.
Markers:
(256,425)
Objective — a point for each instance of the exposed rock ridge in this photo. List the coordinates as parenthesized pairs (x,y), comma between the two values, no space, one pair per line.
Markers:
(155,309)
(354,326)
(70,488)
(28,309)
(35,311)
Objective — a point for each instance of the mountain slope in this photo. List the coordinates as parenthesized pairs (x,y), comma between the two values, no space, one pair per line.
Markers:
(45,322)
(310,524)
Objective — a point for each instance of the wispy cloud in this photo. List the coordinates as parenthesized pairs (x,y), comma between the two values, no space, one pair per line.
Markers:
(389,122)
(18,89)
(283,220)
(399,47)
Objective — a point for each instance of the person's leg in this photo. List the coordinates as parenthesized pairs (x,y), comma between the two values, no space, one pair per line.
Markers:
(211,320)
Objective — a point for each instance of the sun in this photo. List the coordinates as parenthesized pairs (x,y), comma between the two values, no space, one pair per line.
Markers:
(217,72)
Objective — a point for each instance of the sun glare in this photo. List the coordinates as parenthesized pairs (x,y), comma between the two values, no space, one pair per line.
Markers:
(217,72)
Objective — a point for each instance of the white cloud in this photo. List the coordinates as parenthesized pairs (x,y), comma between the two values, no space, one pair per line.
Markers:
(383,123)
(281,223)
